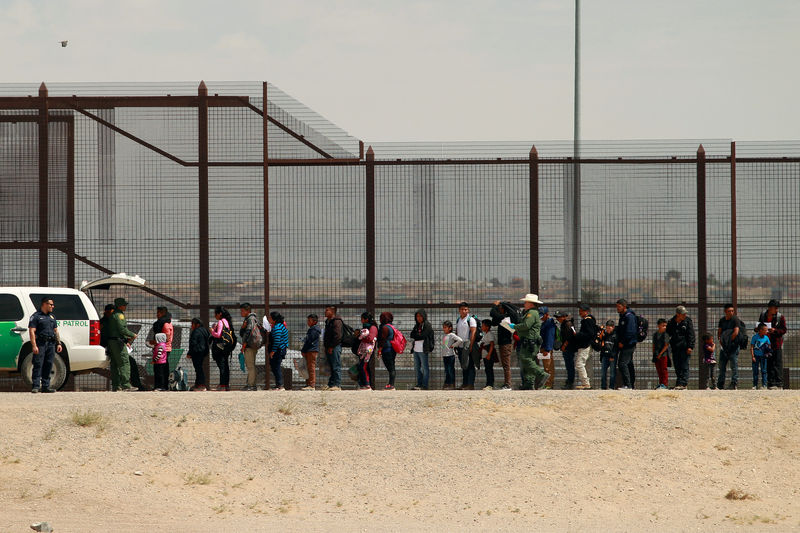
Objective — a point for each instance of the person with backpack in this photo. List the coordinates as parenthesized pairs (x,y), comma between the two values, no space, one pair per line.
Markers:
(250,334)
(505,339)
(198,351)
(467,329)
(549,330)
(627,338)
(223,342)
(730,332)
(332,342)
(424,343)
(388,354)
(277,347)
(367,336)
(533,377)
(310,350)
(776,329)
(566,330)
(760,352)
(583,344)
(682,340)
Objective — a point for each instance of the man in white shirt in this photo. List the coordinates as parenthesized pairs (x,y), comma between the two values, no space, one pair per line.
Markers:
(466,328)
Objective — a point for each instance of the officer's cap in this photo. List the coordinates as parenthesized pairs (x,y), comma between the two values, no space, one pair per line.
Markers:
(120,301)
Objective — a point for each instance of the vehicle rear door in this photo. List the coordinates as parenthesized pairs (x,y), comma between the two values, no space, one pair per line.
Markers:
(13,328)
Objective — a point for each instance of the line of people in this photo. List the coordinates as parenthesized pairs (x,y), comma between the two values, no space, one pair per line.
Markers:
(529,330)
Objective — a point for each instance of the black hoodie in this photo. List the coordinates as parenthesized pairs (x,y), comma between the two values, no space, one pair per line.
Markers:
(423,332)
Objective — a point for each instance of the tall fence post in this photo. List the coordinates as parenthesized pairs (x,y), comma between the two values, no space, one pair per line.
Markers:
(44,219)
(370,221)
(71,204)
(702,266)
(533,198)
(265,123)
(734,267)
(202,207)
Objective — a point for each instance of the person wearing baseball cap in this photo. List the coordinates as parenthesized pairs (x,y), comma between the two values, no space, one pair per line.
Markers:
(118,336)
(776,329)
(549,327)
(681,339)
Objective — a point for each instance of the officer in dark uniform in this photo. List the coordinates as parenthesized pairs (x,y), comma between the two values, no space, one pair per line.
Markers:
(45,342)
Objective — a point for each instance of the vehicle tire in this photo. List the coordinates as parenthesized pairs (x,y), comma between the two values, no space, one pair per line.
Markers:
(58,375)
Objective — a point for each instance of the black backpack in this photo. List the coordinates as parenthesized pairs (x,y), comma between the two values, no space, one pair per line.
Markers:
(349,337)
(227,340)
(641,328)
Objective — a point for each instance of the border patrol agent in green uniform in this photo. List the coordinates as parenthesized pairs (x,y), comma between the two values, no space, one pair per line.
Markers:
(118,336)
(533,376)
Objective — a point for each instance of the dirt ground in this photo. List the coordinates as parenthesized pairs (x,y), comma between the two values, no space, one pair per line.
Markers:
(401,461)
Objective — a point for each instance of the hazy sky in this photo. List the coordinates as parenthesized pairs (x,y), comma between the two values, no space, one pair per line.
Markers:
(446,70)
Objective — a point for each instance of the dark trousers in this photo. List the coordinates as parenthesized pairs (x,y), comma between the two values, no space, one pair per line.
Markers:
(224,364)
(712,383)
(608,365)
(449,362)
(364,377)
(760,364)
(775,369)
(335,360)
(43,364)
(662,369)
(569,363)
(199,374)
(488,367)
(726,358)
(161,376)
(388,357)
(275,366)
(681,361)
(136,381)
(468,370)
(625,365)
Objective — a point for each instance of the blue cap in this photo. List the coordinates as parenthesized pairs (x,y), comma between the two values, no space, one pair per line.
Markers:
(543,310)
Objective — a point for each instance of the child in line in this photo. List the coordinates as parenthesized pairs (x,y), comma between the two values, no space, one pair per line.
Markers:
(310,350)
(450,342)
(760,349)
(709,359)
(160,364)
(605,343)
(487,345)
(661,353)
(278,344)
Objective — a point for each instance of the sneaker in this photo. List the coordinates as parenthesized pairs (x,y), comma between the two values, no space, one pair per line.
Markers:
(130,389)
(662,387)
(365,388)
(733,386)
(199,388)
(35,390)
(506,387)
(47,390)
(278,389)
(680,387)
(568,385)
(755,388)
(334,388)
(307,387)
(488,387)
(539,381)
(583,387)
(772,387)
(624,388)
(415,388)
(389,387)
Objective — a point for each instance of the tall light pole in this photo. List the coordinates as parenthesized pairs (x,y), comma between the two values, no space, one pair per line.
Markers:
(576,183)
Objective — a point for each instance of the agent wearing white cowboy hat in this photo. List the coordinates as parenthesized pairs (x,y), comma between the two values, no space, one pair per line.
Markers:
(533,376)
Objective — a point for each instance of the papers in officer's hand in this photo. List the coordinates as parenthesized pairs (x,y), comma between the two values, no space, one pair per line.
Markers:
(540,356)
(130,348)
(506,323)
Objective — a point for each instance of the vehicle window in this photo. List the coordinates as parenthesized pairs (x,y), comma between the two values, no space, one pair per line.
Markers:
(10,308)
(68,306)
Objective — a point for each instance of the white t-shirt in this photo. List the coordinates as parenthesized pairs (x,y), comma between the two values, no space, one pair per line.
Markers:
(463,326)
(418,346)
(488,338)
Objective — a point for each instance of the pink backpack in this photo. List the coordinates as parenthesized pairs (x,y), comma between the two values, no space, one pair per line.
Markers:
(398,341)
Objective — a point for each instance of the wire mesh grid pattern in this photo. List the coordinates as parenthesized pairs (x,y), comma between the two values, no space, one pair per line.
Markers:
(445,230)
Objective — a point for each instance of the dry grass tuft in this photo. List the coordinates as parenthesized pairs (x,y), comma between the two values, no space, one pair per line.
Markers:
(735,494)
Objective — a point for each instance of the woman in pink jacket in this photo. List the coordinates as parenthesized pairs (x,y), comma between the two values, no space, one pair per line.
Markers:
(223,342)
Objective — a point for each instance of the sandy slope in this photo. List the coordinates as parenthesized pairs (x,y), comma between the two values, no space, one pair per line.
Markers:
(360,461)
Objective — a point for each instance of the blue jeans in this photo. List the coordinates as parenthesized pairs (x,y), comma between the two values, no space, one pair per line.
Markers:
(275,365)
(608,363)
(760,364)
(421,369)
(335,360)
(725,358)
(449,369)
(569,362)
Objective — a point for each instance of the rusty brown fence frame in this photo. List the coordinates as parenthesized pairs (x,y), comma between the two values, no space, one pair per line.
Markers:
(45,105)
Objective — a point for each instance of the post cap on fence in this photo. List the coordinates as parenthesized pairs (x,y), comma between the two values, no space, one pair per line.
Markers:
(202,90)
(42,89)
(701,150)
(370,153)
(534,154)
